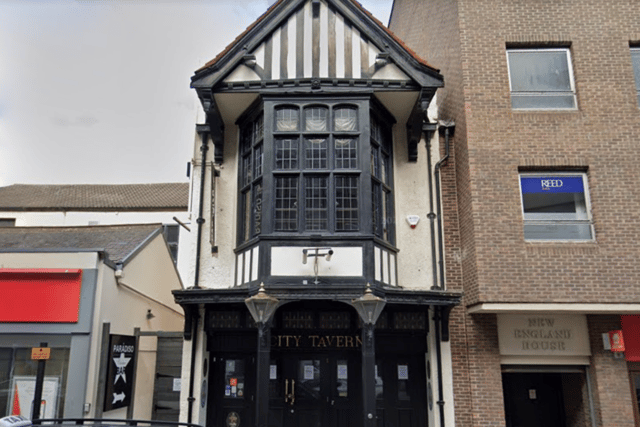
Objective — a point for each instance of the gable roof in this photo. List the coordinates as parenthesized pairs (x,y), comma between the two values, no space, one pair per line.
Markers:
(119,242)
(278,25)
(127,197)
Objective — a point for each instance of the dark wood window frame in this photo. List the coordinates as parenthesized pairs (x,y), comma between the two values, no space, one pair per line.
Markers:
(310,179)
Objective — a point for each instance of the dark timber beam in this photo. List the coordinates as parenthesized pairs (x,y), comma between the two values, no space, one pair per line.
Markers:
(415,122)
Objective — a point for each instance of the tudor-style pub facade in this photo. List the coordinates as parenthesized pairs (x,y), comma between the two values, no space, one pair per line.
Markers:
(316,297)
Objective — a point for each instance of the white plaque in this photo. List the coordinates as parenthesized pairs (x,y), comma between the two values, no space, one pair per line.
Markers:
(543,334)
(308,372)
(403,372)
(176,384)
(343,372)
(273,372)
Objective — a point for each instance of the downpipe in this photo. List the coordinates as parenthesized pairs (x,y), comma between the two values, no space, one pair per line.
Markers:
(200,221)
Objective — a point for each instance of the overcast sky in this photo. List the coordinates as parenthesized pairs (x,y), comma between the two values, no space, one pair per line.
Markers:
(97,91)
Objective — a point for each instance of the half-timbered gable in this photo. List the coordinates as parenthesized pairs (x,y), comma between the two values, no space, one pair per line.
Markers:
(307,212)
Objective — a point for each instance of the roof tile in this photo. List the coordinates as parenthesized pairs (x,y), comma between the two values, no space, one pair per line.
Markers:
(127,197)
(118,241)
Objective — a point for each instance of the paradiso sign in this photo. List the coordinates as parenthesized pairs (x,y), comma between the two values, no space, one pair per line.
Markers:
(543,335)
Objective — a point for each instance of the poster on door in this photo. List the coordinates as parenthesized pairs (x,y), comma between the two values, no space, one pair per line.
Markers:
(22,392)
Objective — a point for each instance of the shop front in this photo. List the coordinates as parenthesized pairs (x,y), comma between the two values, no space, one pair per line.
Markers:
(43,309)
(318,362)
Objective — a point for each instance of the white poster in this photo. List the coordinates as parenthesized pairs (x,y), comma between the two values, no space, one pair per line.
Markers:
(22,391)
(308,372)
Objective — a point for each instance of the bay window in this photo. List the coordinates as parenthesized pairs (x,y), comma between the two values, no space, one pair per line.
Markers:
(309,168)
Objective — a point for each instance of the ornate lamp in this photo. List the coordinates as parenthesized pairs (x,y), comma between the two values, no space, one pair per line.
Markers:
(261,305)
(369,306)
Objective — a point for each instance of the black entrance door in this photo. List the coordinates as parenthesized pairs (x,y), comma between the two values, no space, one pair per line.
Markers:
(400,391)
(533,399)
(315,390)
(232,390)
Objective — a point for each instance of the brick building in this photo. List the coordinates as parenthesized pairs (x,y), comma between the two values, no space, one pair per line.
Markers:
(540,204)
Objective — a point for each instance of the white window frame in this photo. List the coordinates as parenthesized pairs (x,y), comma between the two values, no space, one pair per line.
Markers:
(636,50)
(559,221)
(567,52)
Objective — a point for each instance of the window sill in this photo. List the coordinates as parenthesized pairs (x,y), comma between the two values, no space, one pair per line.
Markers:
(545,110)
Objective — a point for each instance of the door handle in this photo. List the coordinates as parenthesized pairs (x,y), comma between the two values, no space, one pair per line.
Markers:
(293,391)
(289,397)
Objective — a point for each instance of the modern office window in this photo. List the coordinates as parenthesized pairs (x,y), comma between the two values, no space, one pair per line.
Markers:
(541,79)
(556,206)
(312,167)
(635,60)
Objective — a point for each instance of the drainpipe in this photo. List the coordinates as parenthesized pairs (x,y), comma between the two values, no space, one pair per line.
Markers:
(200,221)
(192,371)
(438,320)
(449,128)
(428,129)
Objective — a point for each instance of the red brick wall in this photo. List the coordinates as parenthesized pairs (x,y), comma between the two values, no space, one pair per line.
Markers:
(610,377)
(440,46)
(467,40)
(487,256)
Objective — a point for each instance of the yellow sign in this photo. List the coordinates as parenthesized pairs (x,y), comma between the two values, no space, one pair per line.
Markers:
(40,353)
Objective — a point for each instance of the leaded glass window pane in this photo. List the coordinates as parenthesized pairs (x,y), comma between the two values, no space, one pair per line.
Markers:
(346,188)
(376,209)
(286,153)
(315,153)
(384,168)
(345,120)
(376,132)
(335,320)
(287,120)
(246,170)
(258,129)
(286,204)
(258,154)
(297,320)
(316,202)
(346,153)
(386,208)
(375,162)
(315,119)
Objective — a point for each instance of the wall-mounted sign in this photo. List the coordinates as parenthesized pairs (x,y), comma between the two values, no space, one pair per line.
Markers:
(616,341)
(42,296)
(122,353)
(552,184)
(40,353)
(316,341)
(543,335)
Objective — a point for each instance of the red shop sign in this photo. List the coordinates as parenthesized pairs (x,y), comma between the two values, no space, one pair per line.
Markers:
(40,295)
